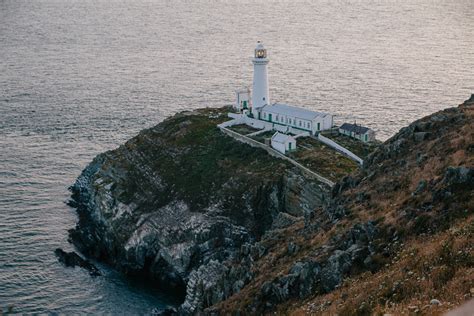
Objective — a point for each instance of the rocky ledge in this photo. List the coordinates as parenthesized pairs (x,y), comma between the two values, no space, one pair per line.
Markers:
(180,203)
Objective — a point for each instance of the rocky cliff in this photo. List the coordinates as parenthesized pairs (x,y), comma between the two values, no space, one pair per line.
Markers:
(181,202)
(234,230)
(396,237)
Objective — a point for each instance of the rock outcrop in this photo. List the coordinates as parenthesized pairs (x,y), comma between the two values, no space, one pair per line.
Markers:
(181,203)
(409,210)
(234,230)
(72,259)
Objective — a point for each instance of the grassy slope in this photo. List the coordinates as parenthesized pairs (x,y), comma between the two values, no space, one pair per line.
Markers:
(187,158)
(438,266)
(429,235)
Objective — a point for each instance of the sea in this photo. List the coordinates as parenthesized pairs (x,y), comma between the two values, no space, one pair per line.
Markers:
(80,77)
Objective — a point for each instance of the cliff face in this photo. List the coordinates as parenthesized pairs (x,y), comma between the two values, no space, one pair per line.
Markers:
(234,229)
(181,201)
(396,237)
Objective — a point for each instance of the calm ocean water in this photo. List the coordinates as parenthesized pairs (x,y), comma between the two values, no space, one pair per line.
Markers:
(80,77)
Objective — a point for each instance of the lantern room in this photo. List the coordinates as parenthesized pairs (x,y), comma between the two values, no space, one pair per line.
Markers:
(260,51)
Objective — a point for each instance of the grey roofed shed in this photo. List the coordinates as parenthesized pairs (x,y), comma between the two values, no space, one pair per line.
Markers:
(357,129)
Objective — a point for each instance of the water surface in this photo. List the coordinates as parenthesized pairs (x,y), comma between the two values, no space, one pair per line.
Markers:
(80,77)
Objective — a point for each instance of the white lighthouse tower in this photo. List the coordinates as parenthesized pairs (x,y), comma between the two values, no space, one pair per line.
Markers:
(260,93)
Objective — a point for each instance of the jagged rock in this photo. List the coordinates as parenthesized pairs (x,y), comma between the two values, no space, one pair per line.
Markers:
(168,311)
(214,235)
(206,286)
(284,220)
(257,251)
(421,158)
(420,136)
(459,175)
(299,282)
(309,276)
(72,259)
(292,248)
(470,100)
(420,187)
(181,200)
(362,197)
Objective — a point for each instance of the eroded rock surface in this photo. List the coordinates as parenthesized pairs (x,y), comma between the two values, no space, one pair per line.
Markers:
(181,203)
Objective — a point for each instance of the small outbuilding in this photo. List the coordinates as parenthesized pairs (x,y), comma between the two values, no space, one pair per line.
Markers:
(360,132)
(283,143)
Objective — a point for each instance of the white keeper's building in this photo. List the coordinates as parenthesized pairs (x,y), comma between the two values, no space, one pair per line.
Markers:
(297,118)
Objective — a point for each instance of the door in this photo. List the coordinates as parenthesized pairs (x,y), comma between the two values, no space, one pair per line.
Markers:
(270,117)
(289,146)
(319,126)
(244,106)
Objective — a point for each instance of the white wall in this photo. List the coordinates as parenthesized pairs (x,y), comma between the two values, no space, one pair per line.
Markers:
(257,123)
(260,85)
(275,153)
(279,147)
(339,148)
(241,96)
(324,123)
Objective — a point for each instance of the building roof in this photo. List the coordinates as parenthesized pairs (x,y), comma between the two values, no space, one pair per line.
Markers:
(281,138)
(259,45)
(284,109)
(358,129)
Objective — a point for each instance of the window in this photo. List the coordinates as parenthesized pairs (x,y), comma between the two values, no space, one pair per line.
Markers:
(260,53)
(264,115)
(300,123)
(308,125)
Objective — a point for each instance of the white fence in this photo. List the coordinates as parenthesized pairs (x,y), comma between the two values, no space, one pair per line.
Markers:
(263,125)
(273,152)
(339,148)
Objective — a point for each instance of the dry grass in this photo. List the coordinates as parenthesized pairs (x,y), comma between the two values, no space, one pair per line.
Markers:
(434,258)
(432,267)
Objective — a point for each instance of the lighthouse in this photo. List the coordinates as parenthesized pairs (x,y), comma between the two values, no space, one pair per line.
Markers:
(260,93)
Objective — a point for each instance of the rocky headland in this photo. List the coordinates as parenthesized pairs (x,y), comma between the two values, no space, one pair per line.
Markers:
(232,229)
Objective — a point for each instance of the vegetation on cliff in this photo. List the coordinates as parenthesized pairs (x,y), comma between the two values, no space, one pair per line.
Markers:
(241,231)
(396,237)
(180,199)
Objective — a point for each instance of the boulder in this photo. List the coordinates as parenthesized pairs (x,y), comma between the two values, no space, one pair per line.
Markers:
(459,175)
(72,259)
